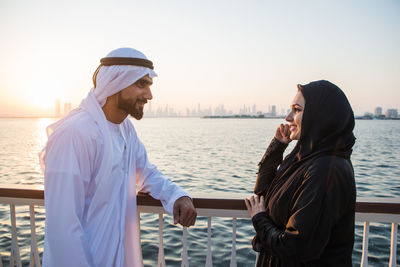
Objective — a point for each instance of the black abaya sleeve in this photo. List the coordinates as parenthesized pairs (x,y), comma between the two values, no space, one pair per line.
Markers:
(268,166)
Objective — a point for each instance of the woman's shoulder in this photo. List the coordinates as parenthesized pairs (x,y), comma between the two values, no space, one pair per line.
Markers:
(329,166)
(329,161)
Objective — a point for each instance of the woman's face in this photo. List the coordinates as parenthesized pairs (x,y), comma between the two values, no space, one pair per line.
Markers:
(296,115)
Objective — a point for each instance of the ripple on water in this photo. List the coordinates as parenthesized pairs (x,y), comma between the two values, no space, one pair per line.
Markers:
(385,166)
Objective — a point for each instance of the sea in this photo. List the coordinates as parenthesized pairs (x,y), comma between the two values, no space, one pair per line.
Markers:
(204,156)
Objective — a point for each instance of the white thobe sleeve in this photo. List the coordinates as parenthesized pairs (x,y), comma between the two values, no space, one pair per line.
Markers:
(150,179)
(66,173)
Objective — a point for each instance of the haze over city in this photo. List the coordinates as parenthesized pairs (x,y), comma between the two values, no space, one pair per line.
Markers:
(207,53)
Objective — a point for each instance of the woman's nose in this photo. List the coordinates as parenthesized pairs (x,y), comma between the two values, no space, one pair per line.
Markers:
(289,117)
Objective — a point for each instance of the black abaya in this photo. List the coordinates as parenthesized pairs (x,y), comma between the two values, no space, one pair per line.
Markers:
(310,196)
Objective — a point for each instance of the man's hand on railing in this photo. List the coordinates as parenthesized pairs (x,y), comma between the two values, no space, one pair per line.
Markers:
(184,212)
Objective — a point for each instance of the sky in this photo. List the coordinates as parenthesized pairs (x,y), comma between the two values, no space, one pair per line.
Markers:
(205,52)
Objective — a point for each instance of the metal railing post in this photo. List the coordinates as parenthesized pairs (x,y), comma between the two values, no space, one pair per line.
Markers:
(161,258)
(364,257)
(15,256)
(209,251)
(35,261)
(233,254)
(393,246)
(185,261)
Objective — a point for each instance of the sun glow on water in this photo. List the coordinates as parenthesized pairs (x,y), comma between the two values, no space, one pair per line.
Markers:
(42,124)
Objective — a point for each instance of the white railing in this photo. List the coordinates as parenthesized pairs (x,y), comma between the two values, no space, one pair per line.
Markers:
(225,205)
(381,210)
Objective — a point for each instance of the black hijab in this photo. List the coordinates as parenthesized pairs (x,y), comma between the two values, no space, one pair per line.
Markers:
(327,124)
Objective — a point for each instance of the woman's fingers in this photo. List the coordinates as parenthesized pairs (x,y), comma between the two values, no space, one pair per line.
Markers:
(255,204)
(278,133)
(252,201)
(262,202)
(286,130)
(247,202)
(282,129)
(282,132)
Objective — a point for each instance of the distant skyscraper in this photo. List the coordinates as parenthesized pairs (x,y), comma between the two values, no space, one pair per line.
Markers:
(58,108)
(67,108)
(378,111)
(391,113)
(273,110)
(368,114)
(148,111)
(220,110)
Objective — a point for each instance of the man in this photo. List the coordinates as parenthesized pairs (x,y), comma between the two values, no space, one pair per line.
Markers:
(94,165)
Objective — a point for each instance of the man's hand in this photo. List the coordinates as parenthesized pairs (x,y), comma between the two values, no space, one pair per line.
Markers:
(255,205)
(184,212)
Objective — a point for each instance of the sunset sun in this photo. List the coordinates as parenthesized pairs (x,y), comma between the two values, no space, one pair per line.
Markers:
(44,100)
(43,96)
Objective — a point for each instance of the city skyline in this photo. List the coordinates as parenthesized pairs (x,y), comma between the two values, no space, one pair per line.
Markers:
(63,108)
(219,110)
(226,52)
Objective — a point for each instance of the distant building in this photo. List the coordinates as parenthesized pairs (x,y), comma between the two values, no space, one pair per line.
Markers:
(378,111)
(220,110)
(67,108)
(391,113)
(148,111)
(273,110)
(254,111)
(368,115)
(58,108)
(244,111)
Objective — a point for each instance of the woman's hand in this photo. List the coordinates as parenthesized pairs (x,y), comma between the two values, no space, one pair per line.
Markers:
(283,133)
(255,205)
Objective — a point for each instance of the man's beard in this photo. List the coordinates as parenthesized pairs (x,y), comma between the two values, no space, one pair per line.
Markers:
(130,106)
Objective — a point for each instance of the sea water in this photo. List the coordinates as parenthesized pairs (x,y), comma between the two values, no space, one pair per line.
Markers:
(206,156)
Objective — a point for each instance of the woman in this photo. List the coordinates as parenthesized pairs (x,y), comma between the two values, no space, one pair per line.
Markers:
(303,210)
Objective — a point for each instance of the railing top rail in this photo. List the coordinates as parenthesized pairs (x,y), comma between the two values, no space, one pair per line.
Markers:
(22,191)
(226,201)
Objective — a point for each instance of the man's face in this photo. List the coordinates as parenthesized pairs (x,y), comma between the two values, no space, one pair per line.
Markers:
(132,98)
